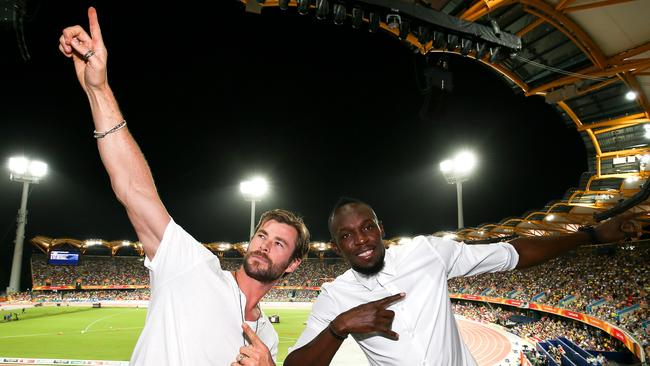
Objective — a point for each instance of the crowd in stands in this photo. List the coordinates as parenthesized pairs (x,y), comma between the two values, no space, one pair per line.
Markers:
(600,282)
(90,295)
(91,270)
(589,338)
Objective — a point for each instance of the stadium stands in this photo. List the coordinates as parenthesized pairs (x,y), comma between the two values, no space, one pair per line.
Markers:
(610,283)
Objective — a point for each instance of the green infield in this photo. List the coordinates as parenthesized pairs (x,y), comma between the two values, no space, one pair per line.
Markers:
(102,334)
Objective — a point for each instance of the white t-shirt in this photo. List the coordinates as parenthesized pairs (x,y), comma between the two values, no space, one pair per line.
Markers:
(424,319)
(194,316)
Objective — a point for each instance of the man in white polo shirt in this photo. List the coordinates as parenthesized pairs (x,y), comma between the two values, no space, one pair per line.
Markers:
(395,303)
(198,314)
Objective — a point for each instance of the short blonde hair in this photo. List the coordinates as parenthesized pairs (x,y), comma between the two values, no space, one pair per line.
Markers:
(285,217)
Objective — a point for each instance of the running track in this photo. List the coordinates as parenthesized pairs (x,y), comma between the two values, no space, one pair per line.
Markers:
(488,346)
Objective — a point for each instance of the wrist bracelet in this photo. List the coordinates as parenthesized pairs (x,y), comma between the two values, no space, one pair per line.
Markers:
(339,337)
(99,135)
(592,234)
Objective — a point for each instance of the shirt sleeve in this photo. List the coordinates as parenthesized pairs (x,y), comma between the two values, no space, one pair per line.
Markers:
(324,310)
(462,259)
(177,253)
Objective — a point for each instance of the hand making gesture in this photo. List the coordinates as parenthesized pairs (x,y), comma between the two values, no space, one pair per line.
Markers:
(87,51)
(368,318)
(255,354)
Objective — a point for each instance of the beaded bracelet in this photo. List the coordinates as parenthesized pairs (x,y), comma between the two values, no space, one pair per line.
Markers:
(99,135)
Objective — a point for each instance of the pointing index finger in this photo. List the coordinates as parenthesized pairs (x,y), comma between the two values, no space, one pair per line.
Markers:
(390,300)
(252,336)
(95,30)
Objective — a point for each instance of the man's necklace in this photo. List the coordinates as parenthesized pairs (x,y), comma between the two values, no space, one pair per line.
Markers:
(243,319)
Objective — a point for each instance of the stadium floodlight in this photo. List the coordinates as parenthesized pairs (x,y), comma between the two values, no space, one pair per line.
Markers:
(253,190)
(631,95)
(25,171)
(457,171)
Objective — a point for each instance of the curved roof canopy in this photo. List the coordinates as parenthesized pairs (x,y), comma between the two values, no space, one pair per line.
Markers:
(590,59)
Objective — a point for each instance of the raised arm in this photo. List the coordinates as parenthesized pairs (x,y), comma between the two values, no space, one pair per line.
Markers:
(372,317)
(537,250)
(129,173)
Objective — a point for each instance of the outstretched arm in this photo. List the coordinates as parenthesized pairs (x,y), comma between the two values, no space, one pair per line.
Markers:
(366,318)
(537,250)
(129,173)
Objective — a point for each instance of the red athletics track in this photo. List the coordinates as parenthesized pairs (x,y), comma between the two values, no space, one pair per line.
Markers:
(488,346)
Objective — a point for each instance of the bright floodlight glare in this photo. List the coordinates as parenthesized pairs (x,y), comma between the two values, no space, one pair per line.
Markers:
(18,164)
(446,166)
(254,188)
(37,169)
(550,217)
(464,162)
(631,95)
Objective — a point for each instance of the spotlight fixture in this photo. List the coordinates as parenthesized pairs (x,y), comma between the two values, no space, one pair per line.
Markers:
(439,40)
(495,27)
(357,18)
(494,54)
(303,7)
(465,46)
(283,4)
(404,29)
(393,21)
(452,42)
(423,35)
(322,9)
(339,14)
(480,50)
(373,19)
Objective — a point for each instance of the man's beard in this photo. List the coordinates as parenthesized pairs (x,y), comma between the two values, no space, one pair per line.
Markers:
(265,275)
(369,271)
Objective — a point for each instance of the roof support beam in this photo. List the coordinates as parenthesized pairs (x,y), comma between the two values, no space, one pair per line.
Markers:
(641,98)
(627,120)
(482,7)
(565,25)
(590,72)
(630,53)
(530,27)
(599,4)
(551,15)
(539,21)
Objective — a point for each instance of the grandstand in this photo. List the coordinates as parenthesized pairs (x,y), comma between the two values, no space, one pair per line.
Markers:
(593,300)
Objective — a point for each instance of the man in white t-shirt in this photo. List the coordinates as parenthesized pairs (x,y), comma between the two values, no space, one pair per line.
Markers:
(395,303)
(198,313)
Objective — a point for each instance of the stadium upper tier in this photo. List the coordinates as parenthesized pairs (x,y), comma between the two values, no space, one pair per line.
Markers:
(590,60)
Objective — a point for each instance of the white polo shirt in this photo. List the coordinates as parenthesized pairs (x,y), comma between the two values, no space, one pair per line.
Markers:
(424,319)
(194,316)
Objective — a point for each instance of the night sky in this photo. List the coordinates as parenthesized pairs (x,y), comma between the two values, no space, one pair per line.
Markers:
(216,95)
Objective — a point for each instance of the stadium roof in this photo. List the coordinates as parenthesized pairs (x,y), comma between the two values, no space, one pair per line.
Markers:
(583,56)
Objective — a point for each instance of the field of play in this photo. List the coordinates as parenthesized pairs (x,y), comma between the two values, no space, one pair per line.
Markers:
(101,334)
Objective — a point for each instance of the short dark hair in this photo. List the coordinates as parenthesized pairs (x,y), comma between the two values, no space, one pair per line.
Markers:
(342,201)
(286,217)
